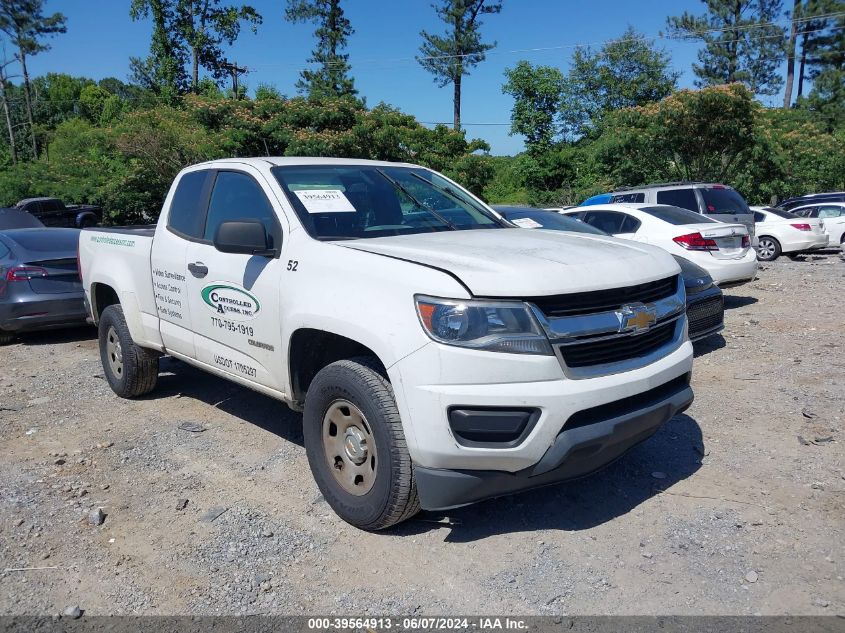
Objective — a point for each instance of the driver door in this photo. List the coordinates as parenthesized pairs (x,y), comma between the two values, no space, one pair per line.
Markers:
(234,297)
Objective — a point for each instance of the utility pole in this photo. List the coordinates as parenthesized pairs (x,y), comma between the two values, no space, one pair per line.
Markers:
(235,70)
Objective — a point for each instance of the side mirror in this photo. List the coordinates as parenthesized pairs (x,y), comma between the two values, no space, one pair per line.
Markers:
(248,237)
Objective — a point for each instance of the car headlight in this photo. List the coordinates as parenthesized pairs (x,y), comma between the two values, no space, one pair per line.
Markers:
(495,326)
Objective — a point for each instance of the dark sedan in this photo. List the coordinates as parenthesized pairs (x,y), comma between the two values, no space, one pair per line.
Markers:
(39,281)
(705,304)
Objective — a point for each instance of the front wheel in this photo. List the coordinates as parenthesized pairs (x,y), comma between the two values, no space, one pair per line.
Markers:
(768,249)
(356,447)
(130,370)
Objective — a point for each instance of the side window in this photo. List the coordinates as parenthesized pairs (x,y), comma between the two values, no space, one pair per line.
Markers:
(684,198)
(51,205)
(830,212)
(607,221)
(236,196)
(187,210)
(804,213)
(759,217)
(630,224)
(628,197)
(4,251)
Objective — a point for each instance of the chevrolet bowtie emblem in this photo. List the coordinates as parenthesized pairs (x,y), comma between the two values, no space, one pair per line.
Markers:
(637,318)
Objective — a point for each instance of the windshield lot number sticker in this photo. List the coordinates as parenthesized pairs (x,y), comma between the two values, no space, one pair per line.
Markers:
(324,201)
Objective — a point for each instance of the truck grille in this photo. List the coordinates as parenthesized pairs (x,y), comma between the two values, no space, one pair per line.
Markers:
(614,350)
(705,315)
(605,300)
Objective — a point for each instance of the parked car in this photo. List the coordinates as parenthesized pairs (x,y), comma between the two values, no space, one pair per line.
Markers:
(602,198)
(705,303)
(53,212)
(17,219)
(716,201)
(39,281)
(723,250)
(812,198)
(441,355)
(833,216)
(781,232)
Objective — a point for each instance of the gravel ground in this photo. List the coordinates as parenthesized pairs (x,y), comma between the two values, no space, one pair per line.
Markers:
(735,507)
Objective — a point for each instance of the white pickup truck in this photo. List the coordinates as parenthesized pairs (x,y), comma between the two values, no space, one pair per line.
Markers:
(441,355)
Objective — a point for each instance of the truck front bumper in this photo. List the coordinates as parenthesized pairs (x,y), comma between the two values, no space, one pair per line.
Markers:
(572,426)
(592,442)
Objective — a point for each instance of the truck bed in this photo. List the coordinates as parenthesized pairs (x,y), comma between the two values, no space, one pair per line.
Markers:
(143,230)
(119,258)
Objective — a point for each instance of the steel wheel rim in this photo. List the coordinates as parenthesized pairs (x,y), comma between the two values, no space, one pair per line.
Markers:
(114,352)
(349,447)
(766,248)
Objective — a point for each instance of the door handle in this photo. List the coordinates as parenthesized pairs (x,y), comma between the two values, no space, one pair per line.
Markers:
(198,270)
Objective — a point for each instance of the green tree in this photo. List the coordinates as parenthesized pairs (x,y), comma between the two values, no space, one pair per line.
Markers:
(26,26)
(163,71)
(742,43)
(825,55)
(537,93)
(451,56)
(4,101)
(205,25)
(625,72)
(332,77)
(691,135)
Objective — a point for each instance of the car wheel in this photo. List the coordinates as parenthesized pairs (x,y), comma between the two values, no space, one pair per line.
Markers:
(768,249)
(356,447)
(131,370)
(6,337)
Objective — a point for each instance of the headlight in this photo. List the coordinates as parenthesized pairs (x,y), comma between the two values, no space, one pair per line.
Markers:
(495,326)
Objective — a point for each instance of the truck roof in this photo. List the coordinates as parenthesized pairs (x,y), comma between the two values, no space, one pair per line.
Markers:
(280,161)
(39,199)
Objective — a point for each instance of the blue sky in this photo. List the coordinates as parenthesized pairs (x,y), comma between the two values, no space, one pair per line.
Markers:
(101,38)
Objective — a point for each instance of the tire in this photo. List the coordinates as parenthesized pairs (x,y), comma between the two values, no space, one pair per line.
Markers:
(131,370)
(380,491)
(6,337)
(768,249)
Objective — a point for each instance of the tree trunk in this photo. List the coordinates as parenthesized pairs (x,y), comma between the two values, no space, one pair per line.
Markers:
(790,62)
(734,46)
(195,72)
(8,117)
(801,65)
(28,99)
(457,104)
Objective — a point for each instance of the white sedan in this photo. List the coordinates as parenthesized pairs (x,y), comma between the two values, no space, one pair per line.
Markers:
(832,214)
(781,232)
(723,250)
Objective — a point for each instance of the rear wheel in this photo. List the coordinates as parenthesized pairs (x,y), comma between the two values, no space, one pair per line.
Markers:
(6,337)
(131,370)
(768,249)
(356,447)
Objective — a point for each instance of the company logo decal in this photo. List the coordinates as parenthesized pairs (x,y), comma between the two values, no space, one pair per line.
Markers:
(231,302)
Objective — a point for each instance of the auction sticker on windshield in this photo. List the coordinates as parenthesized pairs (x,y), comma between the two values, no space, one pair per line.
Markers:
(324,201)
(230,301)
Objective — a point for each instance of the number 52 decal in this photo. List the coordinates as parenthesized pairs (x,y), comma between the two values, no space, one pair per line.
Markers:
(292,264)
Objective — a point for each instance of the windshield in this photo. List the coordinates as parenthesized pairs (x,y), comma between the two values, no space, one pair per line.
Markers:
(723,201)
(786,215)
(535,219)
(336,202)
(676,215)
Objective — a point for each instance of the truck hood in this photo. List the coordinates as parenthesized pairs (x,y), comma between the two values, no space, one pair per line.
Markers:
(520,263)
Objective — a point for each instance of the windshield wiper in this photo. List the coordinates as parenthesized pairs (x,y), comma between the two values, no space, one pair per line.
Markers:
(452,194)
(417,202)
